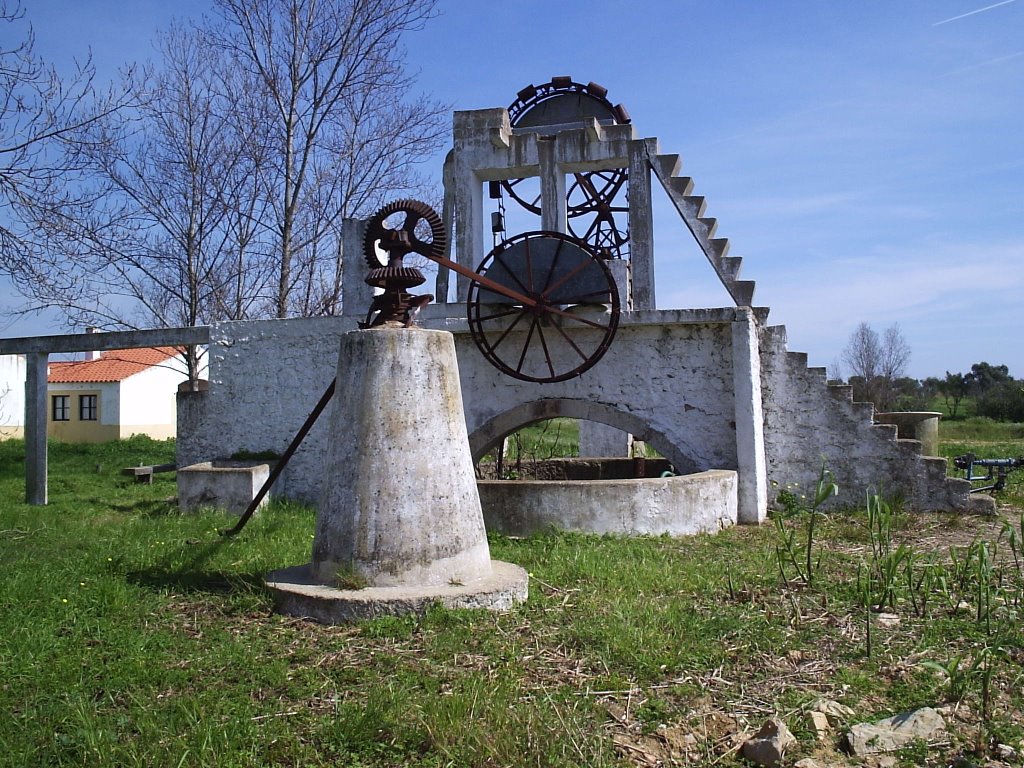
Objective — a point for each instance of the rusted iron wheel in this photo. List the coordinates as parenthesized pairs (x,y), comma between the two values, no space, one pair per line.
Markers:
(572,316)
(395,229)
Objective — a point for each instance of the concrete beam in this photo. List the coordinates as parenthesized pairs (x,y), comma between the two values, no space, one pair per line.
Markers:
(88,342)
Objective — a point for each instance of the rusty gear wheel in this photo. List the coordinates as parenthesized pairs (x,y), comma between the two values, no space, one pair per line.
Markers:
(400,240)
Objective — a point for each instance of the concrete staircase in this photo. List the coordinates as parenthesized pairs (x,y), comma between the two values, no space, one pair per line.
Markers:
(692,208)
(863,454)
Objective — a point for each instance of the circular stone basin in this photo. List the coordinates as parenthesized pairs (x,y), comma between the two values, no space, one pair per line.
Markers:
(603,496)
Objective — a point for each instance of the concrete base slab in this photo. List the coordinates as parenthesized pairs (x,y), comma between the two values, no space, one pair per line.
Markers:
(297,594)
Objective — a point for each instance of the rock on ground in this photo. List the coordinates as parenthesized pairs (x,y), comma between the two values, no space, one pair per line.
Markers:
(768,744)
(895,732)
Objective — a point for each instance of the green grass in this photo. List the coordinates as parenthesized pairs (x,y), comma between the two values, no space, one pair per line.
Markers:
(131,634)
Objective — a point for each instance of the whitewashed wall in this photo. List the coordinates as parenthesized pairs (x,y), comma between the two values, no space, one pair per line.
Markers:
(668,379)
(12,395)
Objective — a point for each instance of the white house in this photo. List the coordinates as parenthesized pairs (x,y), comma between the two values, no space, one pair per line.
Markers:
(12,396)
(115,394)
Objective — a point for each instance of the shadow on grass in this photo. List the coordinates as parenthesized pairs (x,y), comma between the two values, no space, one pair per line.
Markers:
(144,507)
(195,575)
(185,580)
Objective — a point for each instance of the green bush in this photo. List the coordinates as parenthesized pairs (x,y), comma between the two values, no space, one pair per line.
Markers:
(1003,402)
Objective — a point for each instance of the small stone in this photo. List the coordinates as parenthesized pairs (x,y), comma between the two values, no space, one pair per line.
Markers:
(819,722)
(808,762)
(894,732)
(769,744)
(888,620)
(1006,752)
(835,710)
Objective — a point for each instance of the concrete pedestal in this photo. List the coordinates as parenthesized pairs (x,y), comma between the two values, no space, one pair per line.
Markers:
(400,513)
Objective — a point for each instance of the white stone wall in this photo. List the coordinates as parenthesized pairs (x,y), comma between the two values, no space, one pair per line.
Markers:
(12,395)
(668,379)
(147,399)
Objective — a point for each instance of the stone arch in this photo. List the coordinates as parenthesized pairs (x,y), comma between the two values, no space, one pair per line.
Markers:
(486,436)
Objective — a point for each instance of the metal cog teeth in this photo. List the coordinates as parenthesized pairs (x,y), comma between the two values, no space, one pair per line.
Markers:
(375,230)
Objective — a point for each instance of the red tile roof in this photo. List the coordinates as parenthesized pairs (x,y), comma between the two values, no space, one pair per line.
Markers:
(116,365)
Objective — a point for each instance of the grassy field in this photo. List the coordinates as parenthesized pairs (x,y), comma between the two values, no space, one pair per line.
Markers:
(133,635)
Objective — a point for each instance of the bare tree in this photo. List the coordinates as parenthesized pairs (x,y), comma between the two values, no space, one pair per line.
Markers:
(163,242)
(41,118)
(876,363)
(220,192)
(343,131)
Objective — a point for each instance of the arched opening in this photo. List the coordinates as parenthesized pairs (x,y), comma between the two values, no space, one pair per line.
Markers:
(489,435)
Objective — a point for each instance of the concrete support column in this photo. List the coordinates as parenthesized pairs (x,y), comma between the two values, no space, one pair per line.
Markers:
(356,295)
(447,215)
(752,489)
(552,187)
(469,233)
(36,414)
(641,225)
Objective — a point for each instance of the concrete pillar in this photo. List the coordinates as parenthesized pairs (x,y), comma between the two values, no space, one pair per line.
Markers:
(752,489)
(641,225)
(447,215)
(400,505)
(469,233)
(356,295)
(36,415)
(552,187)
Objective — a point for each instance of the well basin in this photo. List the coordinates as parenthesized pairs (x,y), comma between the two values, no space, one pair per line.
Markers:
(615,502)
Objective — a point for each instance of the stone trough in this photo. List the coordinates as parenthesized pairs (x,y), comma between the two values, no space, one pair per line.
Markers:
(603,496)
(227,484)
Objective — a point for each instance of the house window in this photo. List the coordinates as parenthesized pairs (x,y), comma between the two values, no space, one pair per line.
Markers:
(61,408)
(87,407)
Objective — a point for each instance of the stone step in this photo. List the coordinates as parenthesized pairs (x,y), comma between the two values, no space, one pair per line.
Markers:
(669,164)
(691,208)
(866,410)
(695,204)
(797,358)
(680,185)
(818,372)
(842,392)
(718,248)
(888,430)
(742,292)
(729,266)
(710,224)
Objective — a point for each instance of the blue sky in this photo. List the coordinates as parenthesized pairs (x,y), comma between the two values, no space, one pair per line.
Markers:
(865,158)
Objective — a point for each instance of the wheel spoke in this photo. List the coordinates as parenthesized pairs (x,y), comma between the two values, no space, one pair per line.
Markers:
(572,273)
(572,343)
(499,260)
(526,345)
(547,353)
(551,269)
(497,315)
(578,318)
(508,330)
